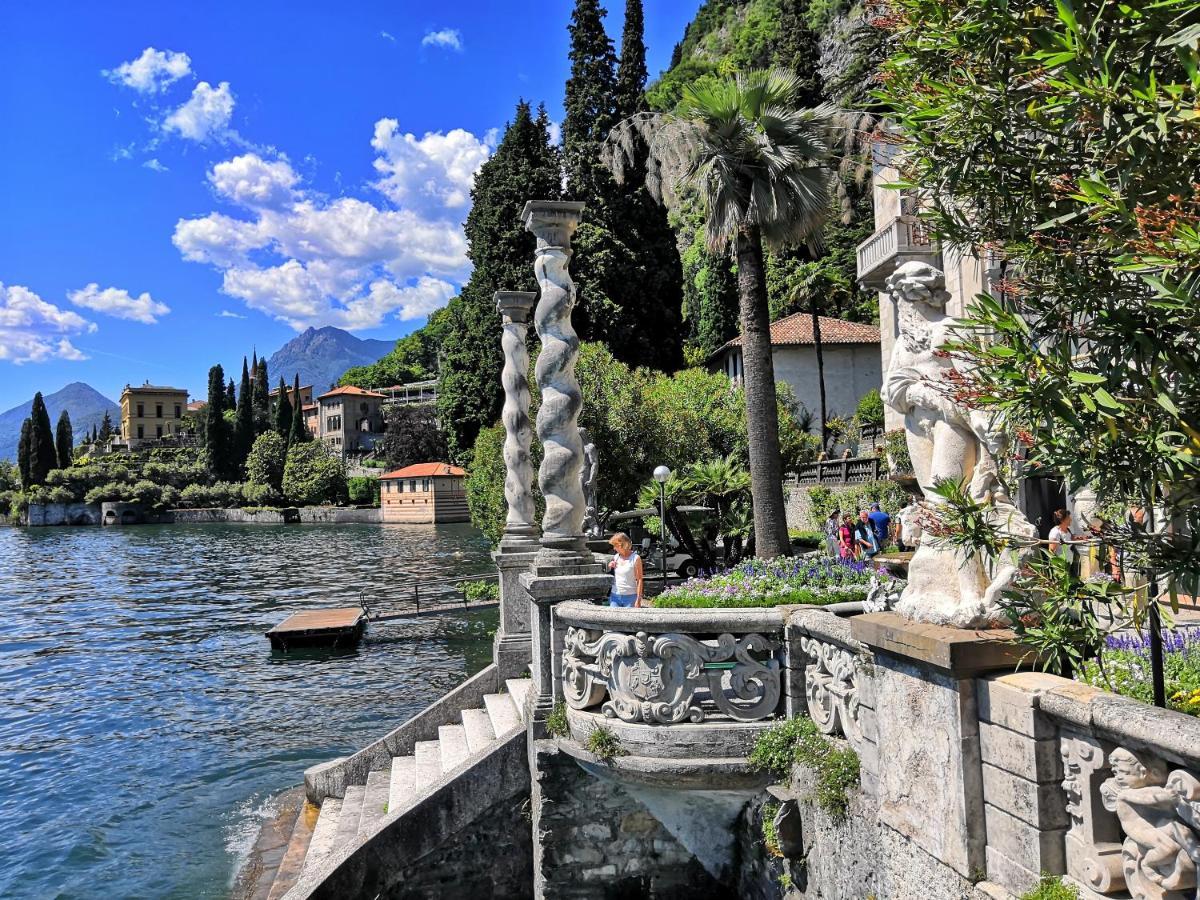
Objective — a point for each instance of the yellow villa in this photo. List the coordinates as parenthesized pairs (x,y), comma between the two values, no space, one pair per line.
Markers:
(151,412)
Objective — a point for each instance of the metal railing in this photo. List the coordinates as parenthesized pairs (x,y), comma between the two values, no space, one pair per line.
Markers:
(427,598)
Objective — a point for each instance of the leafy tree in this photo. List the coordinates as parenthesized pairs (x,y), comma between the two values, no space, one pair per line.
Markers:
(283,411)
(265,463)
(243,432)
(524,165)
(313,475)
(43,454)
(757,162)
(414,358)
(485,483)
(64,441)
(261,397)
(106,429)
(298,434)
(1065,136)
(23,450)
(413,436)
(218,436)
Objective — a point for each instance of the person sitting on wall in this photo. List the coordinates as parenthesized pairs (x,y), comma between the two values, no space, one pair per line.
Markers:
(628,574)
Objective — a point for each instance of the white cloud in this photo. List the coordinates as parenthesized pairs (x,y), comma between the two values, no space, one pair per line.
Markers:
(387,37)
(154,165)
(229,314)
(252,181)
(119,304)
(151,72)
(205,115)
(555,133)
(446,37)
(32,330)
(432,172)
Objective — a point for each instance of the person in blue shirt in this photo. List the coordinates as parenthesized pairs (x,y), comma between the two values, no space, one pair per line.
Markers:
(881,523)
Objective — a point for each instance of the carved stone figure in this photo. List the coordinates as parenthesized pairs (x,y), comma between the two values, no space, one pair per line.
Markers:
(1157,814)
(1093,842)
(947,441)
(831,686)
(590,478)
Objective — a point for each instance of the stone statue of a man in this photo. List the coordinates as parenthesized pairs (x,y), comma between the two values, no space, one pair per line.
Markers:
(946,441)
(590,477)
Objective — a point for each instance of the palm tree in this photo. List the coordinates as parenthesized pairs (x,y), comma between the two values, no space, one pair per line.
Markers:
(758,164)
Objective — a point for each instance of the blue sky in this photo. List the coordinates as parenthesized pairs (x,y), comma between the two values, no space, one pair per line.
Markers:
(181,182)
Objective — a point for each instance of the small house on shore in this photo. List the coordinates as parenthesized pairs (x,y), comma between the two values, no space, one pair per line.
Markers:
(424,493)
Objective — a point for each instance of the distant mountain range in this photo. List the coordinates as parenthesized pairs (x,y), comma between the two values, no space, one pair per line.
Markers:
(85,405)
(321,355)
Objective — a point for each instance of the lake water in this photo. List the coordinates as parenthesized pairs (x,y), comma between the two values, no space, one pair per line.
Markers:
(144,722)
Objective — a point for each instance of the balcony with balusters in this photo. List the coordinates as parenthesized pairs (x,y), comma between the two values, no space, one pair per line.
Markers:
(904,239)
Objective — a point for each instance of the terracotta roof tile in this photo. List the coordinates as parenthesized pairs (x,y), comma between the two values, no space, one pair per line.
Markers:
(796,330)
(350,390)
(425,470)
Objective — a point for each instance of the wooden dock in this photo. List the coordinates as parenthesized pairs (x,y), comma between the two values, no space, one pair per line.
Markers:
(341,627)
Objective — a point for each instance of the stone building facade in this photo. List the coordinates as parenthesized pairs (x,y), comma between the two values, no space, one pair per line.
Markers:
(151,412)
(349,419)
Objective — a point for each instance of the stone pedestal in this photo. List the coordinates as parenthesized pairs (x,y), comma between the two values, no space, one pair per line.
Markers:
(548,585)
(513,649)
(930,771)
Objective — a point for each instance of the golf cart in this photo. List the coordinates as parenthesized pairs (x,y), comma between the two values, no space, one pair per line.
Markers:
(684,555)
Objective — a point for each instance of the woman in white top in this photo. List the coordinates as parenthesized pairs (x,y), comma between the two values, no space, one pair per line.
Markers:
(1061,537)
(626,566)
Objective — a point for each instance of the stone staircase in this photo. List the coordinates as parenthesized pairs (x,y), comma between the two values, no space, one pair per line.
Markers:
(344,823)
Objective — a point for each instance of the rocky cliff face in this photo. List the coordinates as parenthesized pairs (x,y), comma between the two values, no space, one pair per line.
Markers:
(321,355)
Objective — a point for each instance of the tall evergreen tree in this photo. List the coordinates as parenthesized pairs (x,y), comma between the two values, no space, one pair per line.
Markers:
(524,166)
(43,455)
(95,433)
(262,397)
(298,433)
(796,48)
(283,411)
(106,428)
(23,452)
(631,71)
(243,429)
(626,264)
(64,440)
(231,396)
(218,440)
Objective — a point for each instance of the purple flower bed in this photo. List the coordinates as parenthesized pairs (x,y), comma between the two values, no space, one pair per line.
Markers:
(1124,667)
(773,582)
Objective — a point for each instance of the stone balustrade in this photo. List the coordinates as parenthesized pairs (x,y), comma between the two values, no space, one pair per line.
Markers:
(904,239)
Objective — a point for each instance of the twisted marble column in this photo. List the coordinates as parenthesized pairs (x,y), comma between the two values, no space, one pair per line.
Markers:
(552,223)
(520,530)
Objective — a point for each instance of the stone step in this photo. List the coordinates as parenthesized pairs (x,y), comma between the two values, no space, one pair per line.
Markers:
(324,836)
(351,812)
(403,786)
(502,711)
(453,741)
(292,862)
(375,802)
(518,689)
(429,764)
(478,727)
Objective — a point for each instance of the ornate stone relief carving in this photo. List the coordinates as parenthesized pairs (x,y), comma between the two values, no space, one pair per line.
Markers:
(830,683)
(664,678)
(1134,823)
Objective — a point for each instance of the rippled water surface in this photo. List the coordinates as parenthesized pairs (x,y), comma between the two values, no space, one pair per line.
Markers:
(145,723)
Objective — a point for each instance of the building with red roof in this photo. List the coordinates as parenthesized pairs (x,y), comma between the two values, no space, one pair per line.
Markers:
(424,493)
(349,419)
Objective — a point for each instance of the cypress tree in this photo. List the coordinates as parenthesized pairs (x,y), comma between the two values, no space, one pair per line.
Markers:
(626,265)
(231,396)
(64,440)
(23,452)
(216,429)
(283,411)
(106,428)
(796,48)
(43,455)
(298,433)
(524,166)
(262,397)
(243,430)
(631,71)
(95,433)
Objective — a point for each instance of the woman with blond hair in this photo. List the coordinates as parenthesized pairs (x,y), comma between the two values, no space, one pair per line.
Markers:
(628,575)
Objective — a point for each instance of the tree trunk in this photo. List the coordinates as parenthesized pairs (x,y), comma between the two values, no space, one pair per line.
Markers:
(816,326)
(762,411)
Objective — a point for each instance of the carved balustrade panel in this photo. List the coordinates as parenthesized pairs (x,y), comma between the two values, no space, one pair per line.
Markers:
(831,688)
(665,678)
(1135,821)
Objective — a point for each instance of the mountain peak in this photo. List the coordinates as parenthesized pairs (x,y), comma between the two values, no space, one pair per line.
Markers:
(84,404)
(321,355)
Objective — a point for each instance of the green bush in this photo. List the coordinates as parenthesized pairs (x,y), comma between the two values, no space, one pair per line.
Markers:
(895,445)
(824,500)
(313,475)
(870,409)
(264,465)
(260,495)
(1124,665)
(363,490)
(1051,887)
(480,591)
(800,741)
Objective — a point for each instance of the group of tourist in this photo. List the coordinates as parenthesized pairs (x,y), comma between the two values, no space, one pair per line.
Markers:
(874,530)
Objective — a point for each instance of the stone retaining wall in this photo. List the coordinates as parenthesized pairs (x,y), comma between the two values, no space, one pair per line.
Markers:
(49,514)
(307,515)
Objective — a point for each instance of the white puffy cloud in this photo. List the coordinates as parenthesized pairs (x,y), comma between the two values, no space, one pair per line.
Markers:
(446,37)
(119,303)
(205,115)
(253,181)
(432,172)
(229,314)
(32,330)
(151,72)
(154,165)
(307,259)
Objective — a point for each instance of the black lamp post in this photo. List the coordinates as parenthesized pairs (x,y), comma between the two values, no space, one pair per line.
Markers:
(661,474)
